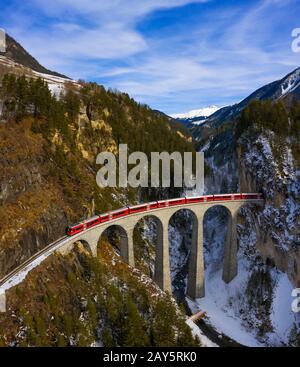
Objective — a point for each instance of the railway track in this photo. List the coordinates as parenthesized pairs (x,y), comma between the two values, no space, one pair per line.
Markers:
(30,260)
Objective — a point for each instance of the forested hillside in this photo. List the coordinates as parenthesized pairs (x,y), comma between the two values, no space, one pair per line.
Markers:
(48,149)
(78,300)
(283,121)
(48,156)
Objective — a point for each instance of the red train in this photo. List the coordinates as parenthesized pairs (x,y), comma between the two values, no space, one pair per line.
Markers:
(98,219)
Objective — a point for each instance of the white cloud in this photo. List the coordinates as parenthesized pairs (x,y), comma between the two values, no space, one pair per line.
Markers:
(107,42)
(98,29)
(220,59)
(111,9)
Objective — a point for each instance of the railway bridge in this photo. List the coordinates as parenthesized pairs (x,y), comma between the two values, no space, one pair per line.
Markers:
(162,215)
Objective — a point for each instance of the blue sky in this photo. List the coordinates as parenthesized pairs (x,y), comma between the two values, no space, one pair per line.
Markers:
(175,55)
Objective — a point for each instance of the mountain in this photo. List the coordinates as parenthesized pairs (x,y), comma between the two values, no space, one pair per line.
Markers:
(286,89)
(47,175)
(48,168)
(255,147)
(202,112)
(195,117)
(16,53)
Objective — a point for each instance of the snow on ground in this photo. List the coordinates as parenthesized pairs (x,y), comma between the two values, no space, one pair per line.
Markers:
(19,277)
(223,302)
(199,122)
(291,83)
(202,112)
(196,331)
(220,314)
(282,316)
(56,89)
(56,84)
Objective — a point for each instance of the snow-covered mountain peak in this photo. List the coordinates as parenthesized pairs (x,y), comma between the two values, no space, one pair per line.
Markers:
(202,112)
(291,82)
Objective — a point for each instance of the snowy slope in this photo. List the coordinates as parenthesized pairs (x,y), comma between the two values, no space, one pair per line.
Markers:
(56,83)
(287,88)
(202,112)
(291,83)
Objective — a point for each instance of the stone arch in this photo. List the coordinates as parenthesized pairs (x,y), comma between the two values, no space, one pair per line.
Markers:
(154,221)
(194,264)
(85,245)
(118,237)
(214,206)
(70,245)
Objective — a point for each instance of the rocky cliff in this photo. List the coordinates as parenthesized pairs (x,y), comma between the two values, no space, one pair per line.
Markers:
(48,160)
(268,166)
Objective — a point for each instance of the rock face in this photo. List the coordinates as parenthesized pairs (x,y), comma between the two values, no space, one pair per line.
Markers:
(260,162)
(26,195)
(278,178)
(36,205)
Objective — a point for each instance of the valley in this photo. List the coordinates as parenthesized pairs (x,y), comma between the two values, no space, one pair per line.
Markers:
(51,130)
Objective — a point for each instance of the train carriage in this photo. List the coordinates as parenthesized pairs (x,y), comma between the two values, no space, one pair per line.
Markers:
(73,229)
(104,217)
(119,213)
(194,199)
(162,203)
(138,208)
(179,201)
(76,228)
(92,222)
(153,205)
(222,197)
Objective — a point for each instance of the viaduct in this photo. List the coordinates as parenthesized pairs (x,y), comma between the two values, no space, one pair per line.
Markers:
(162,216)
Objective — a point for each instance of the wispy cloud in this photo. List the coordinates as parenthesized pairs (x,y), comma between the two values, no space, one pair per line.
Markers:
(172,54)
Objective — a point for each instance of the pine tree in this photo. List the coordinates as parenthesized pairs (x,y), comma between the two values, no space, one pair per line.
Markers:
(163,333)
(134,329)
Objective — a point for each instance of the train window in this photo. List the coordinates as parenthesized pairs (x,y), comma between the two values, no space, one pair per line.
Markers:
(176,202)
(138,209)
(93,223)
(120,213)
(104,218)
